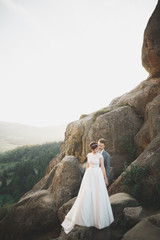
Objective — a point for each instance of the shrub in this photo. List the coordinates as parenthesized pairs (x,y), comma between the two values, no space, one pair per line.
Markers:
(83,116)
(134,178)
(101,112)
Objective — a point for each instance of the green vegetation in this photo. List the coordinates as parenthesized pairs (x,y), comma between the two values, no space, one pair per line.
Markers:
(134,180)
(4,210)
(106,110)
(83,116)
(21,169)
(110,108)
(123,105)
(101,112)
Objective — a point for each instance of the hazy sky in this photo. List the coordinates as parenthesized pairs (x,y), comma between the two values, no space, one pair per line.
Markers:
(63,58)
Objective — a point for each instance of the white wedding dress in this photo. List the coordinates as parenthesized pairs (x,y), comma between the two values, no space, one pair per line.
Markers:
(92,206)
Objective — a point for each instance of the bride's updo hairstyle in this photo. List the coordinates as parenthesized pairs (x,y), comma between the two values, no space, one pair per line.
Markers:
(93,145)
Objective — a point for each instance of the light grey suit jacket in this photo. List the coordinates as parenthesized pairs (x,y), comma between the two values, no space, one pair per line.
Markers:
(107,160)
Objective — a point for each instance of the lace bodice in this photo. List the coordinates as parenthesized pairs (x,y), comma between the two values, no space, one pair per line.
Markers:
(94,159)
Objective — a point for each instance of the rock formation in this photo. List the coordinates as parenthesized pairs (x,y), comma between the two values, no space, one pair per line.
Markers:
(118,125)
(151,158)
(147,229)
(36,212)
(131,126)
(138,98)
(151,126)
(119,202)
(145,100)
(151,44)
(133,215)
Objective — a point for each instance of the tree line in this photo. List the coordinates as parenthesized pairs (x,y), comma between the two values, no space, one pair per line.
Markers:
(30,166)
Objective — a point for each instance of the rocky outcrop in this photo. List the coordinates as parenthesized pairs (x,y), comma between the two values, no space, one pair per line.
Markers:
(130,122)
(151,44)
(147,229)
(56,160)
(121,122)
(86,233)
(150,155)
(36,212)
(75,138)
(64,209)
(140,96)
(30,218)
(118,125)
(119,202)
(151,158)
(151,126)
(133,215)
(145,99)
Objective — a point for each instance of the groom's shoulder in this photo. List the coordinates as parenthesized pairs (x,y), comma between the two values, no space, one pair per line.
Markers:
(106,153)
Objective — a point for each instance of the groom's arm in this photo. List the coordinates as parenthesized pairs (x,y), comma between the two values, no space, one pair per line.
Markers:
(108,159)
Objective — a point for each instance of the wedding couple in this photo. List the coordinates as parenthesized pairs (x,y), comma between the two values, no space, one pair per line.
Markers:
(92,206)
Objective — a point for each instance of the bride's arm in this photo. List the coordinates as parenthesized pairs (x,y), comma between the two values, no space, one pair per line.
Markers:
(87,165)
(103,171)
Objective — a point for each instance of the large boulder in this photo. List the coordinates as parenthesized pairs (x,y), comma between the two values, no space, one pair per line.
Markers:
(120,201)
(36,212)
(133,215)
(151,44)
(86,233)
(30,218)
(56,160)
(147,90)
(117,125)
(150,187)
(75,137)
(138,98)
(151,126)
(64,209)
(147,229)
(66,181)
(80,232)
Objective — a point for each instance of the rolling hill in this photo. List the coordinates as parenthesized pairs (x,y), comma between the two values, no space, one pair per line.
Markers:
(15,134)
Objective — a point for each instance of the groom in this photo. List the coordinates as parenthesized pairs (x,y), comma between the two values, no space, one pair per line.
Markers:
(106,156)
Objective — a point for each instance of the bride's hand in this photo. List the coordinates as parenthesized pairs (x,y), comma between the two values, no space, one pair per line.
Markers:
(106,182)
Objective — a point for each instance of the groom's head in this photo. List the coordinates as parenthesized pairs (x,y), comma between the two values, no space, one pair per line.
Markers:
(101,144)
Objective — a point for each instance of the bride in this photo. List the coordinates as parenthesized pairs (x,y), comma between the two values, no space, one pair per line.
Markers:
(92,206)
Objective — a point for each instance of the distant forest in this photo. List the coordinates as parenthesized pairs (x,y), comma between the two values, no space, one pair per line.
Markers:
(21,169)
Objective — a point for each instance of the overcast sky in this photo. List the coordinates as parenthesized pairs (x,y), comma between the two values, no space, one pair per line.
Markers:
(63,58)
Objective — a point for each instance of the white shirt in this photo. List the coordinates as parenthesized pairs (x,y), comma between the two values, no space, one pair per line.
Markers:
(102,151)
